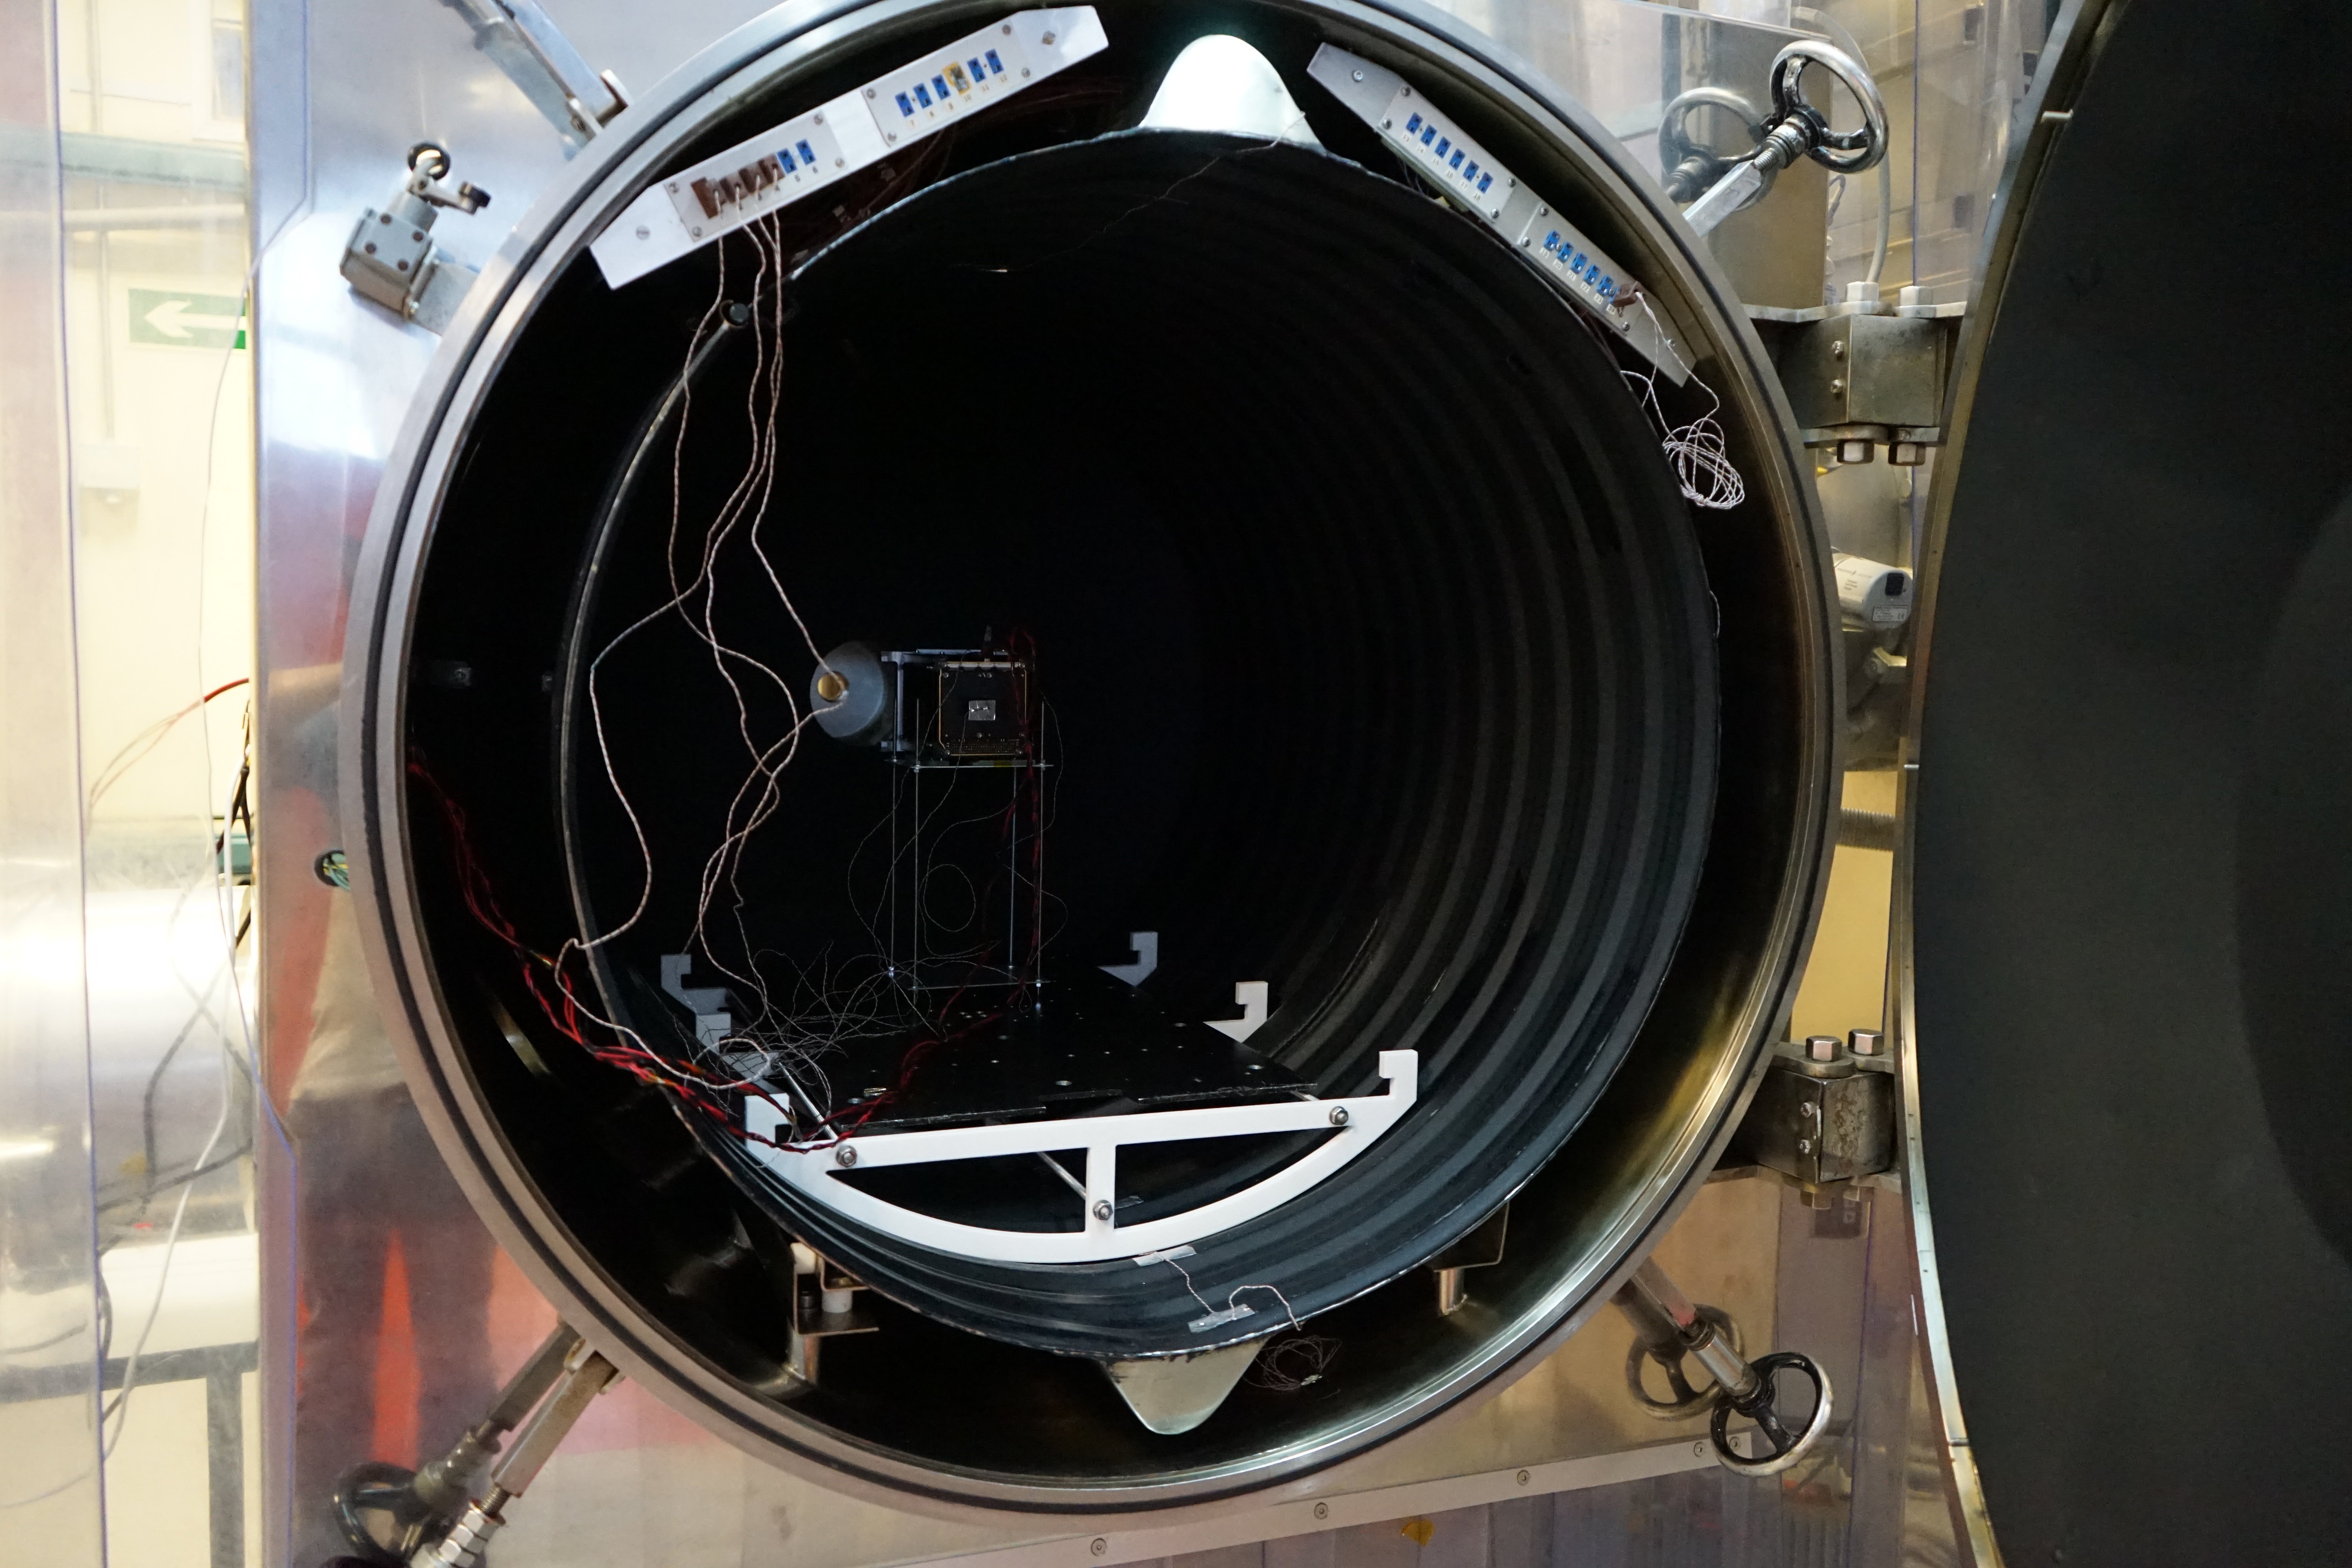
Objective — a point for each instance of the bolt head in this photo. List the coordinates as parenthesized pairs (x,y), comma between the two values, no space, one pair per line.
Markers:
(371,247)
(1098,1546)
(1804,1145)
(1837,351)
(1525,1477)
(1101,1209)
(383,218)
(1866,1042)
(1821,1047)
(1358,75)
(1322,1511)
(402,266)
(845,1155)
(1339,1116)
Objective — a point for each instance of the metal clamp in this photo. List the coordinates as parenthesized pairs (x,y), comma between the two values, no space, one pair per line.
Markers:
(1798,130)
(1669,1328)
(392,258)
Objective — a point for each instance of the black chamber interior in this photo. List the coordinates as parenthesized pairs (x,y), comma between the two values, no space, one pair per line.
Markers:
(1374,628)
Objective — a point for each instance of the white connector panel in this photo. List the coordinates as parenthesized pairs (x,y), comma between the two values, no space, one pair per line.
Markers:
(1472,179)
(693,207)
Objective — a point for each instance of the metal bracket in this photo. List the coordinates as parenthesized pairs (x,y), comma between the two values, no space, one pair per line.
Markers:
(390,258)
(1824,1112)
(532,51)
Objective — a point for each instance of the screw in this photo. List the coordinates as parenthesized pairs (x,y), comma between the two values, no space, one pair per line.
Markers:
(1388,124)
(644,232)
(1339,1116)
(870,92)
(1322,1511)
(845,1156)
(384,218)
(1837,385)
(1523,1477)
(1809,1111)
(696,233)
(1404,92)
(1837,351)
(1101,1209)
(371,247)
(416,234)
(820,120)
(893,135)
(837,162)
(1804,1145)
(1006,30)
(673,187)
(1048,40)
(1699,1449)
(1025,70)
(1358,75)
(1098,1546)
(402,265)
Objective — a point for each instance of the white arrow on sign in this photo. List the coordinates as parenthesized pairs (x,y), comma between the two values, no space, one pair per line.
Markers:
(173,319)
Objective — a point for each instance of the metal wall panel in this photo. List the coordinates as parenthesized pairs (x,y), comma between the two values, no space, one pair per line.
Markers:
(387,1311)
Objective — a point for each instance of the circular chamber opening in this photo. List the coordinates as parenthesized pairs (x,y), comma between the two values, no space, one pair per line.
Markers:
(1110,630)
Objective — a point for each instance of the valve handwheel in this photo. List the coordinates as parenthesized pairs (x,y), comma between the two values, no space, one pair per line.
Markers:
(1842,151)
(1760,1405)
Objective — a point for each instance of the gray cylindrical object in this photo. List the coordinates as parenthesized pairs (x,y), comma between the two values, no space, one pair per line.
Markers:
(859,712)
(1871,592)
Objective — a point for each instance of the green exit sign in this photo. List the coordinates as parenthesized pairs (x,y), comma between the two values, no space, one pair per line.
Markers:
(176,319)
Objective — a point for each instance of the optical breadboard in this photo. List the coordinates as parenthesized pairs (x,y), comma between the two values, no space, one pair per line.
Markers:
(1473,179)
(695,207)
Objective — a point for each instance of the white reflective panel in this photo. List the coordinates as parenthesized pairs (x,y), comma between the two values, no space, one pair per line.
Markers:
(1220,83)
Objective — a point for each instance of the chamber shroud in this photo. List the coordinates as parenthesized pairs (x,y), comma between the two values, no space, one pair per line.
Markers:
(1375,636)
(1383,652)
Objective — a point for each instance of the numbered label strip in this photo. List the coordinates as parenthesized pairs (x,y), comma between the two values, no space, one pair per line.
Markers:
(695,207)
(1473,179)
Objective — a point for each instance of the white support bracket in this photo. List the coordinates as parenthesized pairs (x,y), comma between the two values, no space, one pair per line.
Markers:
(1353,1124)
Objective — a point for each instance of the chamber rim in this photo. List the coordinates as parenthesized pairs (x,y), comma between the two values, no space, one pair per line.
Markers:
(385,597)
